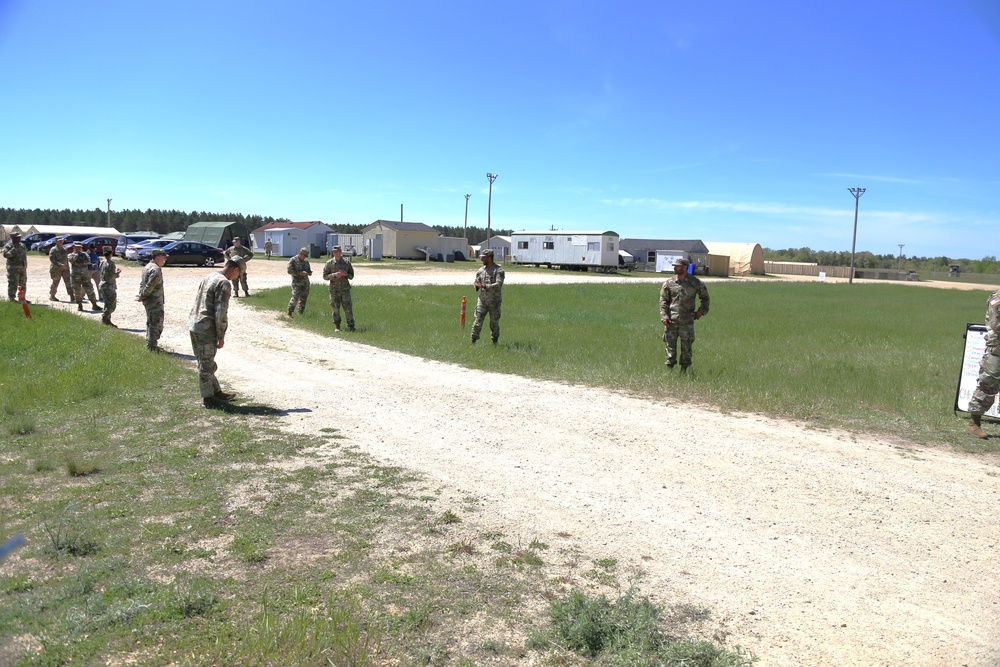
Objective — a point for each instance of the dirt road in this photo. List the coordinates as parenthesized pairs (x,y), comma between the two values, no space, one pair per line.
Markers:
(813,548)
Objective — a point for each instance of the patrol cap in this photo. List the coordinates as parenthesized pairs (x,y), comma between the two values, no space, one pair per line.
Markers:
(682,262)
(240,262)
(77,243)
(17,234)
(336,247)
(157,252)
(487,253)
(303,251)
(237,239)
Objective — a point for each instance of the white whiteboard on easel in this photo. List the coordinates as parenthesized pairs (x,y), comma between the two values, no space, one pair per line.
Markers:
(975,346)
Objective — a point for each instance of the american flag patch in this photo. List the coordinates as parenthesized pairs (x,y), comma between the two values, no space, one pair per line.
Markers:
(995,300)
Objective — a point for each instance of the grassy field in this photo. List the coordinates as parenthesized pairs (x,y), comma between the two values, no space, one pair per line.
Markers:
(160,533)
(882,359)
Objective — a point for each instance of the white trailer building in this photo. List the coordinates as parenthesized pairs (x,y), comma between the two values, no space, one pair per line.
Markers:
(566,249)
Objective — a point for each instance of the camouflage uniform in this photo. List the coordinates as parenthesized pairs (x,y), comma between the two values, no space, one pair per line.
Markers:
(677,304)
(340,290)
(59,271)
(108,287)
(151,295)
(17,268)
(247,254)
(80,263)
(267,249)
(300,283)
(208,323)
(491,279)
(989,366)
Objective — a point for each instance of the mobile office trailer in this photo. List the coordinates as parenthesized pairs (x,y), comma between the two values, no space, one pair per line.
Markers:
(578,251)
(350,244)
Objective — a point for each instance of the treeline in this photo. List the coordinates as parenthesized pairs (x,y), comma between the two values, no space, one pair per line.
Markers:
(868,260)
(162,222)
(476,235)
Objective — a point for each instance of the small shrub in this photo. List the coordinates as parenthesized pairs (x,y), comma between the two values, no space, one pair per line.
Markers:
(78,467)
(524,557)
(450,517)
(67,534)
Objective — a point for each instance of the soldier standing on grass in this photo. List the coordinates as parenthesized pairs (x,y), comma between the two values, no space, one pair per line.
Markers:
(17,265)
(300,270)
(59,270)
(267,249)
(108,274)
(151,296)
(340,273)
(989,370)
(489,283)
(79,261)
(239,250)
(208,323)
(678,313)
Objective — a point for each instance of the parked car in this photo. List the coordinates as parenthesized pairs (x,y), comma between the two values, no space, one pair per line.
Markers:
(185,252)
(132,250)
(125,240)
(100,242)
(68,240)
(32,239)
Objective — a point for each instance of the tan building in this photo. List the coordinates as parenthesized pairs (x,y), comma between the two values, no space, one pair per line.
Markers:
(401,239)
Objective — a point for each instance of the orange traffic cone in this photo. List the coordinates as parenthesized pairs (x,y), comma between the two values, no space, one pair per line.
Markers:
(24,302)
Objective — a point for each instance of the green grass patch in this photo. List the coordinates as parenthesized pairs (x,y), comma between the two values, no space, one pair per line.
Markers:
(883,359)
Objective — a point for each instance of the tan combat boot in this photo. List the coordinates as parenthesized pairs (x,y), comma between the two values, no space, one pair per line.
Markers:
(974,429)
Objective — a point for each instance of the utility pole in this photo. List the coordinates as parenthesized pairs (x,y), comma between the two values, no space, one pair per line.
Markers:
(466,233)
(109,212)
(900,260)
(489,207)
(857,192)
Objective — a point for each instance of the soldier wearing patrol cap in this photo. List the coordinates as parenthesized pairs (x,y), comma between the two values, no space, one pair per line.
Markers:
(79,262)
(152,298)
(340,273)
(489,283)
(240,250)
(300,270)
(678,312)
(17,265)
(208,323)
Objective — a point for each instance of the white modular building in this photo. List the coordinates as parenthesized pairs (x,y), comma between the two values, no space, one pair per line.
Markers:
(566,249)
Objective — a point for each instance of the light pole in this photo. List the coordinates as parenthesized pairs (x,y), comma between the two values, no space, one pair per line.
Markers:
(900,260)
(466,233)
(857,192)
(489,207)
(109,212)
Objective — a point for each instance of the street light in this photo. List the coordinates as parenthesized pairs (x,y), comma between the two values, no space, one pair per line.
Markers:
(489,207)
(109,212)
(466,233)
(899,261)
(857,192)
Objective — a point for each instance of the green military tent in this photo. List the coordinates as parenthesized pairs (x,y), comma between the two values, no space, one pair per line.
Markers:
(218,234)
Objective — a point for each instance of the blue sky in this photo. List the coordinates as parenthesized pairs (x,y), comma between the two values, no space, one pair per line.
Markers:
(720,120)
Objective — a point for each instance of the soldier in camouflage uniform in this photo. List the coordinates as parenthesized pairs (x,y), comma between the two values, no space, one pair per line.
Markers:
(59,270)
(208,323)
(340,273)
(300,270)
(989,370)
(17,265)
(108,273)
(678,312)
(239,250)
(489,283)
(79,261)
(151,296)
